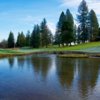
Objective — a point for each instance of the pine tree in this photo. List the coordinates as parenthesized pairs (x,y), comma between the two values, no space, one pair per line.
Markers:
(28,39)
(21,41)
(83,20)
(98,39)
(94,26)
(78,37)
(67,29)
(58,37)
(61,21)
(11,42)
(70,30)
(44,36)
(35,37)
(18,40)
(74,34)
(50,37)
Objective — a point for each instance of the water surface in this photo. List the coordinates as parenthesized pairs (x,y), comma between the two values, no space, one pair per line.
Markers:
(47,77)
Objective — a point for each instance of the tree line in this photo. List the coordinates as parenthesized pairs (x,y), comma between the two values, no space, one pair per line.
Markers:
(67,32)
(41,36)
(87,29)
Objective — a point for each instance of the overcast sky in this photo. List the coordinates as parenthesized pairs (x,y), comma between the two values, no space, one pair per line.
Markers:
(21,15)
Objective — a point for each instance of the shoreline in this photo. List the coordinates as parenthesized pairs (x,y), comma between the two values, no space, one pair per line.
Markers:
(85,50)
(64,54)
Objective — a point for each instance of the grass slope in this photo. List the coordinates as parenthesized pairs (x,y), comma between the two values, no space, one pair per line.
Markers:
(86,47)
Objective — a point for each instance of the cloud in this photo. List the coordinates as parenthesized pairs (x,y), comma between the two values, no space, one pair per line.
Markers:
(92,4)
(69,3)
(74,3)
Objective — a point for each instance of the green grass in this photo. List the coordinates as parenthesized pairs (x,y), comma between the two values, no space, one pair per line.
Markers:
(93,46)
(86,47)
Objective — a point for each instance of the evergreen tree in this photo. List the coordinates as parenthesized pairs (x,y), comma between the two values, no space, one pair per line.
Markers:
(83,20)
(74,34)
(57,38)
(71,27)
(50,37)
(35,37)
(11,42)
(98,38)
(45,32)
(65,33)
(60,23)
(67,29)
(78,37)
(18,40)
(62,19)
(94,26)
(21,41)
(28,38)
(99,32)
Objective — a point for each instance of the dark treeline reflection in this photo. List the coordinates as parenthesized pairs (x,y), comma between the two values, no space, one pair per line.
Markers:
(65,71)
(11,62)
(41,65)
(79,73)
(85,71)
(88,72)
(21,61)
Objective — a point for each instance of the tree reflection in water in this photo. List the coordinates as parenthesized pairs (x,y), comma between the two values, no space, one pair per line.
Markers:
(65,71)
(41,65)
(11,62)
(76,77)
(87,69)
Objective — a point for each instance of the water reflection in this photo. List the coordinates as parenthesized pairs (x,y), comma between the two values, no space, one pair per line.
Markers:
(11,62)
(58,77)
(41,65)
(88,71)
(85,72)
(65,71)
(21,61)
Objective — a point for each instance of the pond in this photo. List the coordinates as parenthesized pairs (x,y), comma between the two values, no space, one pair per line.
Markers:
(48,77)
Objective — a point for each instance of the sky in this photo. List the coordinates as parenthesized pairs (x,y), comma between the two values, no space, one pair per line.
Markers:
(21,15)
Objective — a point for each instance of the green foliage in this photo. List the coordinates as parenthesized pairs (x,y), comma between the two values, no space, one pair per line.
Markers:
(45,36)
(28,39)
(85,47)
(83,19)
(58,39)
(21,41)
(35,37)
(65,29)
(11,42)
(18,40)
(62,19)
(66,32)
(94,26)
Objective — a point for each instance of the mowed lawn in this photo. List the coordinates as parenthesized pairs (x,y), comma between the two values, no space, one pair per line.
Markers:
(86,47)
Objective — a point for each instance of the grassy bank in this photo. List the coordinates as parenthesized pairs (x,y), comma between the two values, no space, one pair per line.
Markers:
(93,47)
